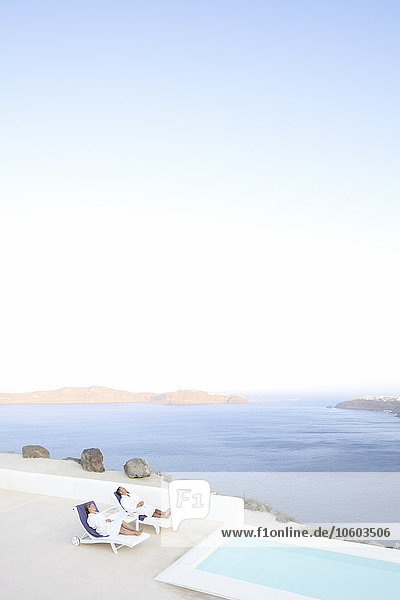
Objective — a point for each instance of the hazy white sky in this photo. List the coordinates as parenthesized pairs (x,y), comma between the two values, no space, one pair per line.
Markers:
(200,195)
(126,298)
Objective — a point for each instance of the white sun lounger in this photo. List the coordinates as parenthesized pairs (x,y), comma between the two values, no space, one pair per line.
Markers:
(92,537)
(138,518)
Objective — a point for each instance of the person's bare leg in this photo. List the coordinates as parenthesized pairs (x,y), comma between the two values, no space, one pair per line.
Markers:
(129,532)
(159,514)
(128,526)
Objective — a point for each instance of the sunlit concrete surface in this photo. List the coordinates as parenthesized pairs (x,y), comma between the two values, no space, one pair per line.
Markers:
(38,560)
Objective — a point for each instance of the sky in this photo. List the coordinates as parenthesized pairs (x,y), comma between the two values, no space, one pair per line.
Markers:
(200,195)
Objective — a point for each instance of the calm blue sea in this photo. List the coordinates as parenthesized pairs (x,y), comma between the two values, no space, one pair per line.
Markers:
(298,436)
(271,436)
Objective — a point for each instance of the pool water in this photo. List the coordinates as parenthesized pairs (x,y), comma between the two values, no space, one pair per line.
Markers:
(312,572)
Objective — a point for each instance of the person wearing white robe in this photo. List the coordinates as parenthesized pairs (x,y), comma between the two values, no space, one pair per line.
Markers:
(135,505)
(110,526)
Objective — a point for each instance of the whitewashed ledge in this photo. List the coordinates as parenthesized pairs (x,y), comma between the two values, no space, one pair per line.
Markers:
(67,479)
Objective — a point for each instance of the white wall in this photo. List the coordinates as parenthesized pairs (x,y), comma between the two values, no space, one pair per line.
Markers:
(226,509)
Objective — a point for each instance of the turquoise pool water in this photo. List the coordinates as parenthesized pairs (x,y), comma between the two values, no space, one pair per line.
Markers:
(317,573)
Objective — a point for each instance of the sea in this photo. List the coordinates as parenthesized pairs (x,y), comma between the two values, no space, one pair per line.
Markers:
(315,463)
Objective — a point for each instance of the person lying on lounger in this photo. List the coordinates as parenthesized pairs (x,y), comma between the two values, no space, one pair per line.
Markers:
(134,504)
(110,526)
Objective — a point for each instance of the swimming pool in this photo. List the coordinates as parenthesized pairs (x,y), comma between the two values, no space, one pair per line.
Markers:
(278,570)
(307,571)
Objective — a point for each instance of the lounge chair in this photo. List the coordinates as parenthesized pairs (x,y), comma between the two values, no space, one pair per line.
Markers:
(92,537)
(156,523)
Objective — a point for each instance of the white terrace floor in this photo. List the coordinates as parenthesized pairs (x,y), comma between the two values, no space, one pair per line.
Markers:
(38,561)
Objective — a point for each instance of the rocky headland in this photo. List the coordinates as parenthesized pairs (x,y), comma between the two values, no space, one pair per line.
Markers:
(389,404)
(99,394)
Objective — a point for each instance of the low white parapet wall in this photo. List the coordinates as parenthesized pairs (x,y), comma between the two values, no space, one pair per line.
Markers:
(225,509)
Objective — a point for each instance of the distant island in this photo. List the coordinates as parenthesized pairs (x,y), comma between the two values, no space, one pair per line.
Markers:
(98,394)
(389,404)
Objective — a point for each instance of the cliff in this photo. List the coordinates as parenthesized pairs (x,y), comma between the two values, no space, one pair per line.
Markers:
(377,403)
(97,394)
(196,397)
